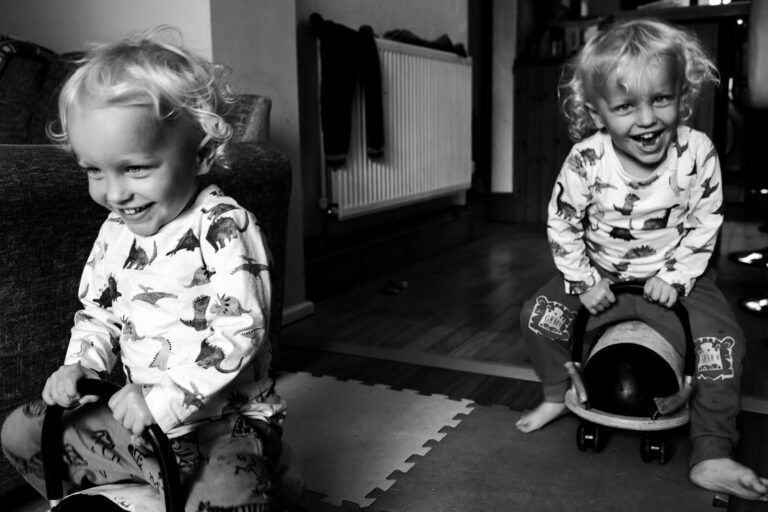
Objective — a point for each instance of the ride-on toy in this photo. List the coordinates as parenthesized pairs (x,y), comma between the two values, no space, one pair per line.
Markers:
(628,369)
(53,450)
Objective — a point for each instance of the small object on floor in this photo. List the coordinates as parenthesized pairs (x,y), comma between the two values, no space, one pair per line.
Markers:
(755,305)
(752,258)
(394,287)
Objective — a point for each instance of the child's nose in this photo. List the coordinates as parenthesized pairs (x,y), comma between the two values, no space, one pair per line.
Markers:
(646,115)
(116,189)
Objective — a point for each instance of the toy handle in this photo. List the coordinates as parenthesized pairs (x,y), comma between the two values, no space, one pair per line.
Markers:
(635,288)
(52,447)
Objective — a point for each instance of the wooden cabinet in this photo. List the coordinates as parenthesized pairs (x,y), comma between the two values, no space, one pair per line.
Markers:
(540,138)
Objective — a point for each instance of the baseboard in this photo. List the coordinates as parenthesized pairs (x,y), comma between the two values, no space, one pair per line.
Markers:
(754,404)
(416,357)
(749,403)
(296,312)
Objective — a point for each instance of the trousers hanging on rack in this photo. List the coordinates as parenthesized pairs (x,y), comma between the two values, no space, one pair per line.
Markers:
(347,57)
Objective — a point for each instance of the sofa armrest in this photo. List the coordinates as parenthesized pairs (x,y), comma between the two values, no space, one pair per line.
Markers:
(249,117)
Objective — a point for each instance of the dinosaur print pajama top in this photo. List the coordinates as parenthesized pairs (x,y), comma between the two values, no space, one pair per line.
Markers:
(185,311)
(605,223)
(664,226)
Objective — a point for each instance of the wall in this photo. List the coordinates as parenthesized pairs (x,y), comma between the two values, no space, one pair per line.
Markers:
(504,52)
(427,19)
(67,26)
(257,39)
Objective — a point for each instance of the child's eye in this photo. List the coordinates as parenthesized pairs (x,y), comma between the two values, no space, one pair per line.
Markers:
(93,173)
(136,169)
(662,99)
(624,107)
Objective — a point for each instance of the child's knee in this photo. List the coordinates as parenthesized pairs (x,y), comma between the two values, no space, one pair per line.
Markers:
(21,429)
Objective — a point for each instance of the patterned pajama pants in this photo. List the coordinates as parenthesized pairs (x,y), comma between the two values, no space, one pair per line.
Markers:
(547,323)
(224,465)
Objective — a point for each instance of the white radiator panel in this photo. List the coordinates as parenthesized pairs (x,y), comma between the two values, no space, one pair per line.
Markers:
(427,103)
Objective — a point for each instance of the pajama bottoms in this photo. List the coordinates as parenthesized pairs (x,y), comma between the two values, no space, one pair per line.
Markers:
(226,464)
(547,323)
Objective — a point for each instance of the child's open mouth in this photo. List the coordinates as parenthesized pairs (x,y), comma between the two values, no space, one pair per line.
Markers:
(648,139)
(132,212)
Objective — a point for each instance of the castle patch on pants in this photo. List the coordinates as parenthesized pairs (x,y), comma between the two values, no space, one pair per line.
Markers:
(714,358)
(551,319)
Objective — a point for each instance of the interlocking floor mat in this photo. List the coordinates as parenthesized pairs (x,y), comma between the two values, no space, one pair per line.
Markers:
(351,437)
(485,464)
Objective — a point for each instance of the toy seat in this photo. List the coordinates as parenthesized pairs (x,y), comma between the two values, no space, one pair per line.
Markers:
(627,368)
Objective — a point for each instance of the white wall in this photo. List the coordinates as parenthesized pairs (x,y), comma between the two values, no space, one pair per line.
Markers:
(427,19)
(68,25)
(504,50)
(257,40)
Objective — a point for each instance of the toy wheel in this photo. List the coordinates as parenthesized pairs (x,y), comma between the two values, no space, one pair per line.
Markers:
(653,447)
(662,452)
(589,435)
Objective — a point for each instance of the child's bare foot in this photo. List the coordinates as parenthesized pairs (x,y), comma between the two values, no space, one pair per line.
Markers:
(726,475)
(540,416)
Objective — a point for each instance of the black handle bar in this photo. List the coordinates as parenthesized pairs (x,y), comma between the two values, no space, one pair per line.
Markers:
(52,446)
(635,288)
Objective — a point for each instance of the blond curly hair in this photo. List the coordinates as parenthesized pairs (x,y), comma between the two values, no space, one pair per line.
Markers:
(146,69)
(629,49)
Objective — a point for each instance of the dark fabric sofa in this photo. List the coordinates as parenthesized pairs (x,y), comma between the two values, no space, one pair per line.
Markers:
(48,222)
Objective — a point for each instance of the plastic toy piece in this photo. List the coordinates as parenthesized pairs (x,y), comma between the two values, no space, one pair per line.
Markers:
(625,406)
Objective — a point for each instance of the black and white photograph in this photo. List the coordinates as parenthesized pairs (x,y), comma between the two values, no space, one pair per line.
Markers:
(383,255)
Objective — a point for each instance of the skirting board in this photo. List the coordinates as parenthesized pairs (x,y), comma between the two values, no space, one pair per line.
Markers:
(749,403)
(296,312)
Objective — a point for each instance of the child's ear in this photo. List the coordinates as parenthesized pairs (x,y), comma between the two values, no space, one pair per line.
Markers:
(595,116)
(205,157)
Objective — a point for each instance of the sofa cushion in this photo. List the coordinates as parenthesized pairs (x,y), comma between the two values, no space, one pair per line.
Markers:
(24,67)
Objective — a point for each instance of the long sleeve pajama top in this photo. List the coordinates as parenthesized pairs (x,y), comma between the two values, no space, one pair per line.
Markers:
(186,310)
(665,225)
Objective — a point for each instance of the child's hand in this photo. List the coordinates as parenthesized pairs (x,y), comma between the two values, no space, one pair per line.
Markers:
(657,290)
(61,386)
(599,297)
(129,408)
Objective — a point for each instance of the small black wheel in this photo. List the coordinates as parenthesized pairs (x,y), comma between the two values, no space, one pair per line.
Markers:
(589,435)
(662,455)
(645,448)
(598,438)
(581,437)
(654,447)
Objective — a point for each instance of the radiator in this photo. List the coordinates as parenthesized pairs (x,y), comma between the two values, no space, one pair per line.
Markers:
(427,103)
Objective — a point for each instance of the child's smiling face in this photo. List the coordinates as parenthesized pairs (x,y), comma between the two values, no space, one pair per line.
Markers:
(142,169)
(641,117)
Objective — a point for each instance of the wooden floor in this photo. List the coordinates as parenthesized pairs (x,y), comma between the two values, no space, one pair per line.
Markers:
(464,306)
(455,330)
